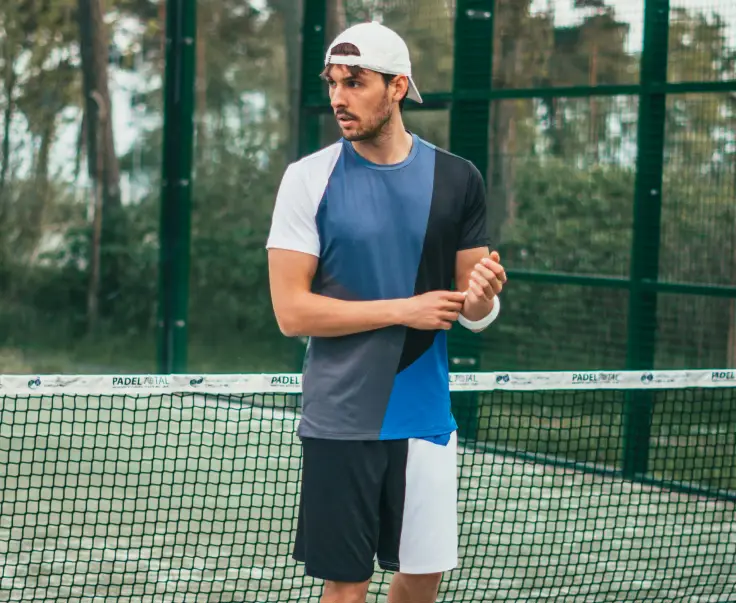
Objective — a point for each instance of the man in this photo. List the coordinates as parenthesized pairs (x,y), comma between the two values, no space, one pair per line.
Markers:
(366,239)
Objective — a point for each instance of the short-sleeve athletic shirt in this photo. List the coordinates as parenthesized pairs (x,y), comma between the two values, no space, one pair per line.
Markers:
(380,232)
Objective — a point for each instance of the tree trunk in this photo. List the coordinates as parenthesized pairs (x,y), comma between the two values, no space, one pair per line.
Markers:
(81,137)
(162,29)
(510,16)
(292,20)
(201,89)
(336,19)
(93,291)
(593,81)
(102,162)
(41,182)
(498,183)
(336,22)
(731,352)
(10,80)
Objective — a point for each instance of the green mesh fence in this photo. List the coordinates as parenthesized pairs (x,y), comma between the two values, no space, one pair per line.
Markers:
(185,488)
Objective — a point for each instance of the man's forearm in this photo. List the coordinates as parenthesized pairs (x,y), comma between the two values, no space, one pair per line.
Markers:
(314,315)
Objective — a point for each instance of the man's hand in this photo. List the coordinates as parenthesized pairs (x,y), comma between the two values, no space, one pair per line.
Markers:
(486,281)
(433,310)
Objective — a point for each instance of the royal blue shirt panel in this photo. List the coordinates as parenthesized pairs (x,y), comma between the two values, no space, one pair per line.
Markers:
(372,222)
(420,398)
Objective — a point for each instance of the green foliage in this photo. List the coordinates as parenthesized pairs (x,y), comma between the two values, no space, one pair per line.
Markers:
(579,222)
(230,216)
(565,173)
(571,220)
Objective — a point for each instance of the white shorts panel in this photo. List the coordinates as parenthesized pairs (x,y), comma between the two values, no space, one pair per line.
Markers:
(429,534)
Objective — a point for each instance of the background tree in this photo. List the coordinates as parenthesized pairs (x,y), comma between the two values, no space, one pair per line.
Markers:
(102,162)
(560,178)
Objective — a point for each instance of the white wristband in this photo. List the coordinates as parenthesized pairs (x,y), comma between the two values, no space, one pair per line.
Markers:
(485,321)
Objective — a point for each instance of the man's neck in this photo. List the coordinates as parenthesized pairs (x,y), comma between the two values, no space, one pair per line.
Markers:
(392,146)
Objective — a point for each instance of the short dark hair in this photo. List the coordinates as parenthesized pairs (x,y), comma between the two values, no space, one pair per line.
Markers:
(345,49)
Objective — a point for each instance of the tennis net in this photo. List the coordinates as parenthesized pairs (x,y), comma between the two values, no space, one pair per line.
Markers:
(579,486)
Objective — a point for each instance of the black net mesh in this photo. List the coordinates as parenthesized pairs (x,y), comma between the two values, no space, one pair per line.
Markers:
(123,497)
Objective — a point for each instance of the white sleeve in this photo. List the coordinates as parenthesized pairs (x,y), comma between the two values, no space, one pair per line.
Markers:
(293,224)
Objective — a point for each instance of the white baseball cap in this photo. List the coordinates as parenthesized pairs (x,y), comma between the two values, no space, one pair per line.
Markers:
(381,49)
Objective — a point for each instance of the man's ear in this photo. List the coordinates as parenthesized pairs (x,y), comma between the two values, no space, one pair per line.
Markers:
(402,87)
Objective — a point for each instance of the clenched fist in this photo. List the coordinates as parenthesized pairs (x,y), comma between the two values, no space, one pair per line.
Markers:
(486,280)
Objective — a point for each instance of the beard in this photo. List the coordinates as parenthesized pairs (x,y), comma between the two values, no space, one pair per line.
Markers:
(371,128)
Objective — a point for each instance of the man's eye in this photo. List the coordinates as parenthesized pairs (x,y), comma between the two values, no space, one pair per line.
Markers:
(354,84)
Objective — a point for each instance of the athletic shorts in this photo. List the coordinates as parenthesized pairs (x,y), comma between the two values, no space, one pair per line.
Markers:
(390,501)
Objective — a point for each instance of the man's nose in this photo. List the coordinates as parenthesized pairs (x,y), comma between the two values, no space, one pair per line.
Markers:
(337,99)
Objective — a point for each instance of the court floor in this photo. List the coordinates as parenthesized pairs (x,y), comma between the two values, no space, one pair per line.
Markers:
(159,499)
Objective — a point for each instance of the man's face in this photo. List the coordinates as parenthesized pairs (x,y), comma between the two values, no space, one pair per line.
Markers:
(361,103)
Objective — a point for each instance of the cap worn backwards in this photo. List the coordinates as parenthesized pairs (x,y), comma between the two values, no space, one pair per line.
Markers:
(381,49)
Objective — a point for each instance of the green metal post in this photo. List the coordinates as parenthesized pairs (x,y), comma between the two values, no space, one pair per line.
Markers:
(178,136)
(312,88)
(472,67)
(646,236)
(469,122)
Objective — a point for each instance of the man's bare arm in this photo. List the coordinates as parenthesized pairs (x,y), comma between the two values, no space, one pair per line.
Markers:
(300,312)
(481,276)
(465,264)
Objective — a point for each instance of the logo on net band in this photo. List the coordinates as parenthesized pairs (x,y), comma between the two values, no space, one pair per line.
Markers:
(140,381)
(723,376)
(596,378)
(463,379)
(286,380)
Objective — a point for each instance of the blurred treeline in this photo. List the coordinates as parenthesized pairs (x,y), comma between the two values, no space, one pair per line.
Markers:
(80,145)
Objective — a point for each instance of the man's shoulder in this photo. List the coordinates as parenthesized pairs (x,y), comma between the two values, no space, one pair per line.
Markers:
(324,157)
(307,177)
(452,165)
(455,159)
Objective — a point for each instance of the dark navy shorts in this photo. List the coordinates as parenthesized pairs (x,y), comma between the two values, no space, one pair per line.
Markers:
(387,502)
